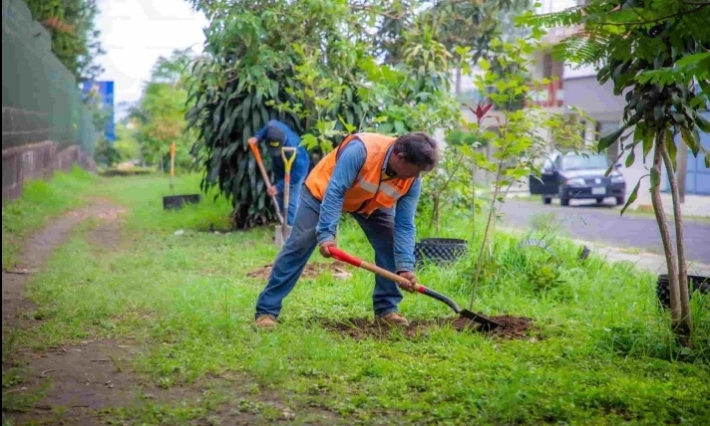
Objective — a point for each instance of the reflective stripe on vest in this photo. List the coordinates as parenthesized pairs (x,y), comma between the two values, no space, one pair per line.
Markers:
(384,187)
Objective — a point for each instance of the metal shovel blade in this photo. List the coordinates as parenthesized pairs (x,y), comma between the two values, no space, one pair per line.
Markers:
(486,323)
(281,234)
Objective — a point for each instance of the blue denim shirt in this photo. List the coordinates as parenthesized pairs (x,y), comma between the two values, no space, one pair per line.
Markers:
(347,168)
(299,169)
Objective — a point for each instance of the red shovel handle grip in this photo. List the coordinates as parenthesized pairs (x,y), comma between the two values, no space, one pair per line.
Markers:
(344,257)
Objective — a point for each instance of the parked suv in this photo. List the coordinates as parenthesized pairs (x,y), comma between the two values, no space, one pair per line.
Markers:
(578,176)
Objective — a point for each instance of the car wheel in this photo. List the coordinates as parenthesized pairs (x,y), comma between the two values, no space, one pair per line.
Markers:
(600,200)
(564,201)
(620,201)
(547,200)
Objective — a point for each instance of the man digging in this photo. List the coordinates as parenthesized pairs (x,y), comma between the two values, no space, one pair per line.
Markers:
(278,135)
(376,179)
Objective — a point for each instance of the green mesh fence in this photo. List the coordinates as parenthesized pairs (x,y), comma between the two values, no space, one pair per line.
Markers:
(41,99)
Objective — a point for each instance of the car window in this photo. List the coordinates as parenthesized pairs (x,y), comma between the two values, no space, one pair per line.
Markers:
(547,166)
(558,162)
(581,162)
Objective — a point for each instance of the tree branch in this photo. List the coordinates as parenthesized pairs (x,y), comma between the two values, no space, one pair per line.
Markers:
(675,15)
(665,235)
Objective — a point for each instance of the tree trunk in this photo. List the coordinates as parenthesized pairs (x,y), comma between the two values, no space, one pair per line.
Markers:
(682,172)
(665,234)
(684,327)
(486,233)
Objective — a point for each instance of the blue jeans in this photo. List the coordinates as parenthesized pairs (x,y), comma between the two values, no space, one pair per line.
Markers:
(294,255)
(293,200)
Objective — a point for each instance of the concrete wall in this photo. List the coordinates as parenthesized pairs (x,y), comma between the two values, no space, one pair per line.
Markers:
(37,161)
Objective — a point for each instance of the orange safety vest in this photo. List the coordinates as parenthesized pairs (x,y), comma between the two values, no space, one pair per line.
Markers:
(369,192)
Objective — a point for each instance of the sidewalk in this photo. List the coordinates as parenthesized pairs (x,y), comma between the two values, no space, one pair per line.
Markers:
(654,263)
(695,205)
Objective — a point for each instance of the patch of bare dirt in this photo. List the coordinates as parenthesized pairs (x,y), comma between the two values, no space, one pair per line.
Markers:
(311,271)
(361,328)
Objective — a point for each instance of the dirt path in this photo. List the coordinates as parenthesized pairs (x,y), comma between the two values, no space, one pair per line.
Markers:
(78,384)
(37,250)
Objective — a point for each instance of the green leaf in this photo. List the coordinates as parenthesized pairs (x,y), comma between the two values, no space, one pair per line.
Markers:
(632,197)
(689,140)
(609,139)
(399,127)
(692,59)
(647,144)
(703,123)
(659,112)
(631,158)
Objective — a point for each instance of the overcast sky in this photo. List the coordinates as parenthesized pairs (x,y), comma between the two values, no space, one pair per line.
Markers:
(135,33)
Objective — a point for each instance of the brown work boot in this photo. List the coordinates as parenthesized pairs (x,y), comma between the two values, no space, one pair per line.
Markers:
(265,321)
(393,319)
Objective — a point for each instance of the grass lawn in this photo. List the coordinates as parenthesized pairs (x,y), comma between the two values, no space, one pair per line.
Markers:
(600,353)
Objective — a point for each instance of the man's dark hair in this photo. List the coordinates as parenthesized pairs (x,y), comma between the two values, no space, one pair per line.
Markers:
(419,149)
(273,133)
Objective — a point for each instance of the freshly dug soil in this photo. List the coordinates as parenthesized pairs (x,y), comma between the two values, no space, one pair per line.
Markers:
(361,328)
(311,271)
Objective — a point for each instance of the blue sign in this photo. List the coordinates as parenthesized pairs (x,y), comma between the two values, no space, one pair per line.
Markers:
(104,90)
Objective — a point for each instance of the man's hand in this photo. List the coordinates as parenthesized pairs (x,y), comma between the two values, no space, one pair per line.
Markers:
(252,141)
(272,191)
(412,281)
(323,248)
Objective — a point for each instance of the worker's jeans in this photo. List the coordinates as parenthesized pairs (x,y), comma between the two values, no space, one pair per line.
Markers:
(298,248)
(293,200)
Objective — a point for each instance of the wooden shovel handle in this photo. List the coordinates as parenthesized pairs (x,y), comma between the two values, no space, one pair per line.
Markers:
(359,263)
(257,155)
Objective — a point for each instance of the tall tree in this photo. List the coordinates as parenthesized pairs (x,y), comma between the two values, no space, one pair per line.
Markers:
(75,39)
(315,65)
(657,52)
(160,113)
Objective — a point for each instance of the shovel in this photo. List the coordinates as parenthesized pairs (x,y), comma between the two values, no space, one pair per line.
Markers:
(486,324)
(255,150)
(288,162)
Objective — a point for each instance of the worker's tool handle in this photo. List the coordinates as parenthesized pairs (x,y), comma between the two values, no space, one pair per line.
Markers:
(288,160)
(257,155)
(260,163)
(357,262)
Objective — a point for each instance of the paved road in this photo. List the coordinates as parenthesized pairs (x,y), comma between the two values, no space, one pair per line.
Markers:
(604,225)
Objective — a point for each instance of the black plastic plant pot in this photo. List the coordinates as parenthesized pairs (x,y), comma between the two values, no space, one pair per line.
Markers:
(695,283)
(438,251)
(176,202)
